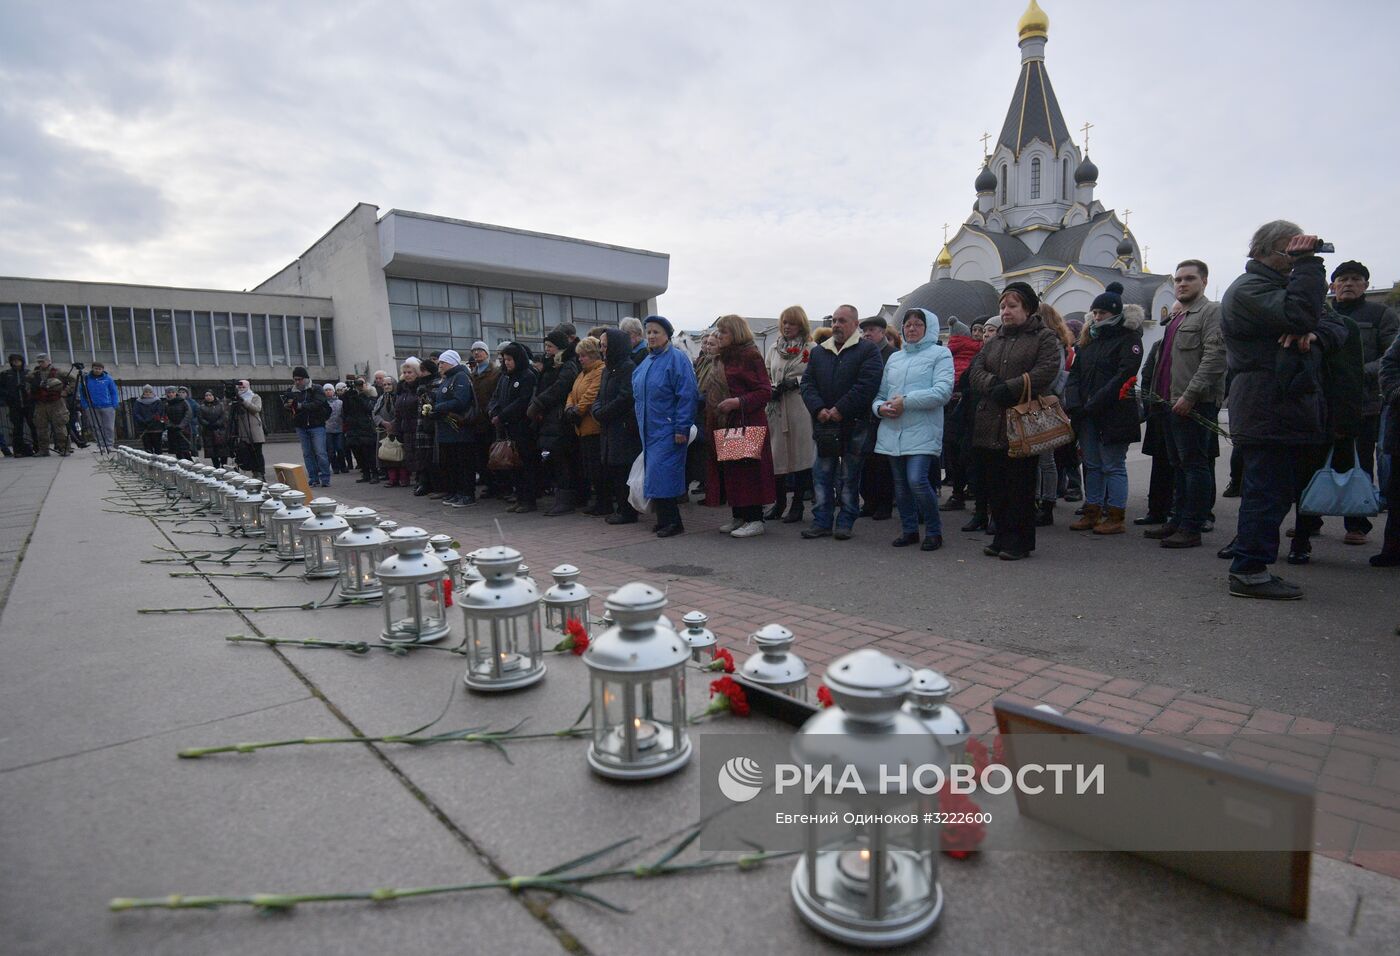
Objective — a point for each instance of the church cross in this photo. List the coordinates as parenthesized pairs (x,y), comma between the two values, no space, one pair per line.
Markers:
(1085,130)
(1126,214)
(985,138)
(945,233)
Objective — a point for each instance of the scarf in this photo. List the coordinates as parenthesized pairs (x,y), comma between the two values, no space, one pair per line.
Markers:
(712,383)
(1112,323)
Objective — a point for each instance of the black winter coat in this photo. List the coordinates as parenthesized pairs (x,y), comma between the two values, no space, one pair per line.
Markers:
(213,422)
(847,381)
(546,409)
(357,414)
(1101,368)
(13,388)
(406,405)
(620,441)
(311,408)
(512,398)
(1154,414)
(1276,395)
(1378,325)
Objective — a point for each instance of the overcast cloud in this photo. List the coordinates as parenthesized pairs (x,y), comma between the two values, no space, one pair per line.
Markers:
(780,151)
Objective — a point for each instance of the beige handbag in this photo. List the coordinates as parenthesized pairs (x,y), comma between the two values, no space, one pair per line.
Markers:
(1036,425)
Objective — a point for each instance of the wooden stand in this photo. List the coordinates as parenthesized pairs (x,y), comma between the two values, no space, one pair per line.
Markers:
(294,477)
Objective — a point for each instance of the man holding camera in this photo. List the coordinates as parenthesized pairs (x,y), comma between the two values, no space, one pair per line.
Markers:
(309,410)
(246,432)
(49,391)
(1276,327)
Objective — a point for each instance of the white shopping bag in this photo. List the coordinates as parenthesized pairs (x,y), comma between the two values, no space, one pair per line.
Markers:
(635,482)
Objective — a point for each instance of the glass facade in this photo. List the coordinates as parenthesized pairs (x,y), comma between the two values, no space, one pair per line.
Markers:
(119,335)
(434,316)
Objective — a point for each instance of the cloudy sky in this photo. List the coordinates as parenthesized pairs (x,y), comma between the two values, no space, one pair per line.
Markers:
(780,151)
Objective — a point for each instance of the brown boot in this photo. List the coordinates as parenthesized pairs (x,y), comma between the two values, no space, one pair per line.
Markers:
(1112,522)
(1089,520)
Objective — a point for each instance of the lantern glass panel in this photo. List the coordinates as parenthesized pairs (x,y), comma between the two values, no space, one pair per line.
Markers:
(320,553)
(358,573)
(652,709)
(411,610)
(841,862)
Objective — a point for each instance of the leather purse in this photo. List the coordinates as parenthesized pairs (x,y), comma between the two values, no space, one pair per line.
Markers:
(1036,425)
(503,456)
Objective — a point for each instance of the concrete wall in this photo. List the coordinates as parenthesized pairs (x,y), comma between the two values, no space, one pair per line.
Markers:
(344,266)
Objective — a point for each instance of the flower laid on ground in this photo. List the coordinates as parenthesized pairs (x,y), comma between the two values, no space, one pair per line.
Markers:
(824,696)
(1127,388)
(726,696)
(960,839)
(723,661)
(575,638)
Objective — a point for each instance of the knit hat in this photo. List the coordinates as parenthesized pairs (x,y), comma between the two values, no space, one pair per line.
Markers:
(449,358)
(1110,299)
(662,321)
(558,338)
(1351,268)
(478,344)
(1075,326)
(300,372)
(958,327)
(1025,293)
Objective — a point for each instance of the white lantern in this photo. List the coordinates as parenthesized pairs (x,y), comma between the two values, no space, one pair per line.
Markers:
(637,682)
(358,553)
(775,666)
(318,534)
(448,555)
(566,600)
(248,509)
(875,883)
(502,618)
(700,638)
(415,608)
(928,700)
(271,507)
(216,490)
(233,487)
(286,526)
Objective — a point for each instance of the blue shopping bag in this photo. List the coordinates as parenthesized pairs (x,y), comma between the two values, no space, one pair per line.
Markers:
(1345,494)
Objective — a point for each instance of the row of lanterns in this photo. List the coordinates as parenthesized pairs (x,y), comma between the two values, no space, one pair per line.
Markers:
(872,885)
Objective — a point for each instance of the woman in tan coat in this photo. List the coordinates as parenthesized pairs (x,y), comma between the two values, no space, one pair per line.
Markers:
(578,415)
(789,422)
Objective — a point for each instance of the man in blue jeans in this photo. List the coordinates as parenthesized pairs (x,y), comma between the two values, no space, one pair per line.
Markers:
(843,375)
(307,405)
(1275,329)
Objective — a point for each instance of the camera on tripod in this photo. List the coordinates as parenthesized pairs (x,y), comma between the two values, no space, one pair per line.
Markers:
(231,389)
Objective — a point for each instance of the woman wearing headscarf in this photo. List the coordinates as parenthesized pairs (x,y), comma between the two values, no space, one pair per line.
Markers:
(148,417)
(429,475)
(789,422)
(404,427)
(382,414)
(546,410)
(508,406)
(917,383)
(1021,346)
(177,424)
(213,420)
(335,429)
(619,443)
(664,394)
(745,484)
(1104,408)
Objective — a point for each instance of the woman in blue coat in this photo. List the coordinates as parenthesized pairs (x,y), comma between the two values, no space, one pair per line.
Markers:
(665,395)
(917,383)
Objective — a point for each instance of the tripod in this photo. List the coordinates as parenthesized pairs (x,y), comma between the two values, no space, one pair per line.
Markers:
(88,414)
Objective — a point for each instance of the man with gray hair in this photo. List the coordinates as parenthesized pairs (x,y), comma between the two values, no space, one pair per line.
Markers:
(1276,327)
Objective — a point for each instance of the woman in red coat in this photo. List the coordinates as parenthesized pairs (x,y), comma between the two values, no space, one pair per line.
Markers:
(745,485)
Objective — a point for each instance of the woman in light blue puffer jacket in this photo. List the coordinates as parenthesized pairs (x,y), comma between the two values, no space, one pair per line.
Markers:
(918,382)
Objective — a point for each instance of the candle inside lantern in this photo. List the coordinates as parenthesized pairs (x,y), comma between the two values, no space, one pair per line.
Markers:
(509,662)
(854,867)
(644,732)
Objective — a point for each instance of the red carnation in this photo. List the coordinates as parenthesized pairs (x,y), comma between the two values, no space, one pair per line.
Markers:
(722,661)
(1127,388)
(960,840)
(727,695)
(806,353)
(447,592)
(978,756)
(576,638)
(824,696)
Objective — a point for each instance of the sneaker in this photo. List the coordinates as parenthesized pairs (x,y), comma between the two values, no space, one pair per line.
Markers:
(449,500)
(749,529)
(1354,537)
(730,526)
(1274,589)
(1297,555)
(461,501)
(816,532)
(419,492)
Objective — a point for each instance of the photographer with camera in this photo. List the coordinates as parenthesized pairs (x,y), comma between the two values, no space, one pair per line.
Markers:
(213,427)
(1276,327)
(245,435)
(306,404)
(49,390)
(357,415)
(451,406)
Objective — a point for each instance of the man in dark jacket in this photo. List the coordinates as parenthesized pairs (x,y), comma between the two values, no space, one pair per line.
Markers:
(453,406)
(1275,327)
(620,442)
(1390,400)
(14,392)
(49,391)
(1378,325)
(876,481)
(843,375)
(309,410)
(546,410)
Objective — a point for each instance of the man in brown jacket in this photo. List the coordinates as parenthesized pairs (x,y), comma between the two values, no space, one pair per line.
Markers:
(1022,346)
(1190,380)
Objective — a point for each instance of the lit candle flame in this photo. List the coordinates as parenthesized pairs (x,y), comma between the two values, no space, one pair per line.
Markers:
(865,855)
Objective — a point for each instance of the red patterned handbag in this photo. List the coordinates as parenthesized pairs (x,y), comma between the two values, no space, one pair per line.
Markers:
(740,444)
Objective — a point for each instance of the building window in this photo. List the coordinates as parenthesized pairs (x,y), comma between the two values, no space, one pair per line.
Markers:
(223,340)
(167,354)
(462,297)
(78,333)
(242,340)
(204,338)
(260,338)
(11,331)
(277,331)
(145,336)
(1035,178)
(184,338)
(432,295)
(327,342)
(403,291)
(102,348)
(123,333)
(313,341)
(58,334)
(1004,179)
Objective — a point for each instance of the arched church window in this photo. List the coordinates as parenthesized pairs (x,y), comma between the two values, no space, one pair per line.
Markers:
(1064,176)
(1035,178)
(1004,177)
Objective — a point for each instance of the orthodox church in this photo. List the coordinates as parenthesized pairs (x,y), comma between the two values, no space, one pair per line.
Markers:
(1036,218)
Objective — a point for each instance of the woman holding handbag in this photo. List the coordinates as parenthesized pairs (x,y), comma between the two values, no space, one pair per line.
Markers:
(513,394)
(789,422)
(1022,356)
(404,428)
(740,467)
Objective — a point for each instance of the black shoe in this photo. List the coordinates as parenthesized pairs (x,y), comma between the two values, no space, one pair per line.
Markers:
(1159,534)
(953,504)
(1149,519)
(1182,539)
(363,481)
(991,528)
(420,491)
(1227,553)
(1207,527)
(1274,589)
(775,511)
(1014,555)
(1298,555)
(1232,490)
(906,539)
(794,514)
(881,516)
(558,510)
(464,501)
(991,552)
(842,534)
(932,543)
(1385,560)
(1074,494)
(621,519)
(978,522)
(670,531)
(1044,514)
(816,532)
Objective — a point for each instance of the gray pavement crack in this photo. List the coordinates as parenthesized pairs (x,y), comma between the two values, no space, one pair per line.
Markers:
(537,908)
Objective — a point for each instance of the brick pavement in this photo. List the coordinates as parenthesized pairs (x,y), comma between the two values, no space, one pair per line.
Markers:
(1358,782)
(24,484)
